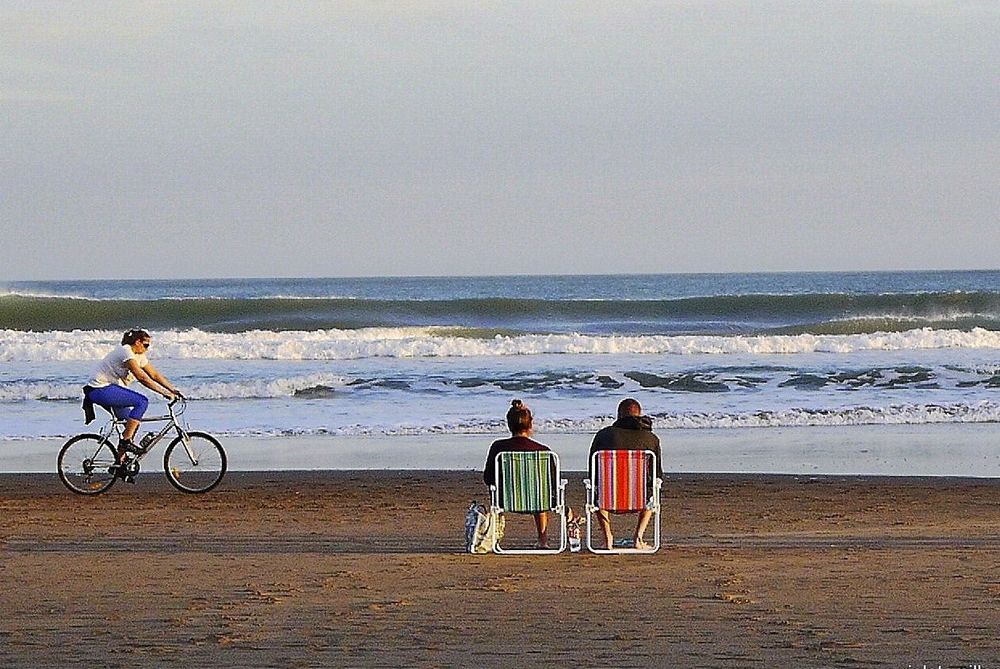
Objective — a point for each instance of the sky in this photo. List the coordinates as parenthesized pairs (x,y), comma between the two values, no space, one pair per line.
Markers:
(256,139)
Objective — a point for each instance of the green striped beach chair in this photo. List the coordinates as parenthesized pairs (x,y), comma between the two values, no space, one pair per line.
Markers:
(529,482)
(623,482)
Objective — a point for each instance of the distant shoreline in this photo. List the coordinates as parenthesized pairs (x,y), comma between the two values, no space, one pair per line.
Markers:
(938,450)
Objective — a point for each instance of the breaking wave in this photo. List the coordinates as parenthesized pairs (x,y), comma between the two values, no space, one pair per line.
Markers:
(807,313)
(19,346)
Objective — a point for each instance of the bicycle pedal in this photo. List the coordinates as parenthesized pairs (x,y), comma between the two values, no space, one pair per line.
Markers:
(126,471)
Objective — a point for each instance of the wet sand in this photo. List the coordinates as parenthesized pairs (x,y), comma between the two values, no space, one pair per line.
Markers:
(946,449)
(363,568)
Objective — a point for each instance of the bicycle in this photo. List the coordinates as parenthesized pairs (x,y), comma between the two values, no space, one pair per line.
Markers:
(194,462)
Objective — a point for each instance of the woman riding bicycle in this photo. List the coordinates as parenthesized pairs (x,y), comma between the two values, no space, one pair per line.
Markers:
(116,371)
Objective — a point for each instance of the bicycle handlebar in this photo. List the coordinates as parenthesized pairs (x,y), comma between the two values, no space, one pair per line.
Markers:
(178,400)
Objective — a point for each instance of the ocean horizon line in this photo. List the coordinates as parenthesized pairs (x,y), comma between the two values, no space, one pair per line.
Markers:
(515,275)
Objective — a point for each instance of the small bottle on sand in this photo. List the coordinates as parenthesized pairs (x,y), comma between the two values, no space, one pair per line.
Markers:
(573,531)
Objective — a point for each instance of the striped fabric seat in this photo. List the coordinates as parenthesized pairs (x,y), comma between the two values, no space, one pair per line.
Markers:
(623,479)
(526,480)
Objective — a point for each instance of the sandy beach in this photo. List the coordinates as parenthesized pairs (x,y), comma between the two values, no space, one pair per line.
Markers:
(364,568)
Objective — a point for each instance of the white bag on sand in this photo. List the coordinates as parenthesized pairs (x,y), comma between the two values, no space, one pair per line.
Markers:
(483,529)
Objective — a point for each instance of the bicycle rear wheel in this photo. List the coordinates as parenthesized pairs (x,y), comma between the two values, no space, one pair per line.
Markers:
(197,466)
(84,464)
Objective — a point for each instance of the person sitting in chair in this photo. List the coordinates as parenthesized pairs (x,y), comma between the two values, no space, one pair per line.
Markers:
(519,421)
(631,432)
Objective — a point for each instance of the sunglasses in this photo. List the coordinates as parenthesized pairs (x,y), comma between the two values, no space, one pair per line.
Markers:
(147,344)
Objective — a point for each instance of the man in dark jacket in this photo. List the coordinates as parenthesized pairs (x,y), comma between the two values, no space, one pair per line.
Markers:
(631,432)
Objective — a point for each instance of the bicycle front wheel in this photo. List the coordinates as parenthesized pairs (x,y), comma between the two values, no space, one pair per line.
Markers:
(85,463)
(195,466)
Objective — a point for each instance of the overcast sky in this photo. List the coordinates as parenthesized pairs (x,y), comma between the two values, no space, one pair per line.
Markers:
(231,139)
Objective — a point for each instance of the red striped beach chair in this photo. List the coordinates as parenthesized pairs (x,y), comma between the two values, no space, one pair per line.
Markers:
(623,482)
(529,482)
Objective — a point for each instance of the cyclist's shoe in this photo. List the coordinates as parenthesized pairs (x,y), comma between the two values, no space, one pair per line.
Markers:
(127,446)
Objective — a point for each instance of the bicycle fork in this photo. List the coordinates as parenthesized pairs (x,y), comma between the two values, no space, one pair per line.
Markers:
(186,441)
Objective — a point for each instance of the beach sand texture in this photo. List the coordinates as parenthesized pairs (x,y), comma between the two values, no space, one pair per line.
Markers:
(298,569)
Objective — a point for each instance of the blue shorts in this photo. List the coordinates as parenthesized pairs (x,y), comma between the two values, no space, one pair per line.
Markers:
(120,401)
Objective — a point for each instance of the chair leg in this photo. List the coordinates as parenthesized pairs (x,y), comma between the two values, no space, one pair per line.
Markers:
(611,550)
(561,512)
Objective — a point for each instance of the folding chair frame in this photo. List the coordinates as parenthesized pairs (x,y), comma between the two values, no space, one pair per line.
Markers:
(651,504)
(496,496)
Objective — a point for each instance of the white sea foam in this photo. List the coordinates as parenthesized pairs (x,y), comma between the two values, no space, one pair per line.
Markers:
(899,414)
(20,391)
(905,414)
(42,294)
(19,346)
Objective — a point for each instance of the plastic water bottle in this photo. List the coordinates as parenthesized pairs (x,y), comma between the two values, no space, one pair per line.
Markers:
(573,535)
(146,440)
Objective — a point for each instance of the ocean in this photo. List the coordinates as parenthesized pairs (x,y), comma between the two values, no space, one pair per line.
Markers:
(425,356)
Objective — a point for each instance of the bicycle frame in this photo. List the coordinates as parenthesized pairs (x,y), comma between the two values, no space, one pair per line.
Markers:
(116,426)
(193,461)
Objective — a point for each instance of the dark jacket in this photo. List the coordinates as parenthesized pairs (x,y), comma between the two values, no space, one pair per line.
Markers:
(88,406)
(629,433)
(509,444)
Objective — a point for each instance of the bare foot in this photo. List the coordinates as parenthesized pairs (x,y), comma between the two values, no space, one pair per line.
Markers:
(641,545)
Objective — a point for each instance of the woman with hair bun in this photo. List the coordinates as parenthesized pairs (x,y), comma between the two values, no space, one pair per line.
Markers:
(519,421)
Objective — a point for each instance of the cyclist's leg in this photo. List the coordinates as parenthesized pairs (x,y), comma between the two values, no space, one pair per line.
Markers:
(124,404)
